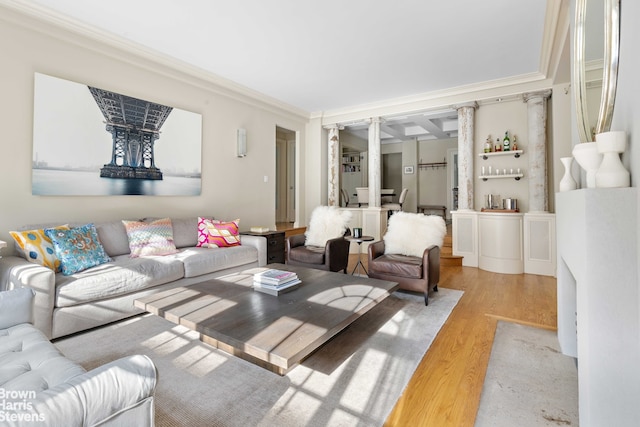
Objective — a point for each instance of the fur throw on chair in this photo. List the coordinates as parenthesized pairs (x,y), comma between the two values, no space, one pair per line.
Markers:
(327,222)
(410,233)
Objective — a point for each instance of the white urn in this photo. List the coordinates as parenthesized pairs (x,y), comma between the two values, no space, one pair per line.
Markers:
(611,172)
(589,159)
(567,183)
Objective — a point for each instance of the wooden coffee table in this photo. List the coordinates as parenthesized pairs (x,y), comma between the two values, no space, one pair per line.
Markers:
(275,332)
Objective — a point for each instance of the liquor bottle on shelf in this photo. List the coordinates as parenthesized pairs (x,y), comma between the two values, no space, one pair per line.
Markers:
(488,145)
(506,142)
(498,145)
(514,144)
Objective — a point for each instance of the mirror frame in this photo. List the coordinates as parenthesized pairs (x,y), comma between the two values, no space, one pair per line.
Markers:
(610,68)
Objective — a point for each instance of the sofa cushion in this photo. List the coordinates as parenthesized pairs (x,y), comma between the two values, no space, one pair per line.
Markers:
(199,261)
(185,232)
(17,307)
(150,238)
(308,254)
(30,362)
(122,276)
(36,247)
(113,237)
(397,265)
(77,248)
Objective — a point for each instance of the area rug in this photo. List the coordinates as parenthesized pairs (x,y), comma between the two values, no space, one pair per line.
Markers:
(354,379)
(529,382)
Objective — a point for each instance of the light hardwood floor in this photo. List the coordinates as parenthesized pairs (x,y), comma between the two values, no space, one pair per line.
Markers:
(445,389)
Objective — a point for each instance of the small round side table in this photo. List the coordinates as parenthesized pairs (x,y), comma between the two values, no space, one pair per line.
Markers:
(359,241)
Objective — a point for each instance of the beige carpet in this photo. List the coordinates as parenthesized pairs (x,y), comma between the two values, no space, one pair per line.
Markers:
(529,382)
(353,380)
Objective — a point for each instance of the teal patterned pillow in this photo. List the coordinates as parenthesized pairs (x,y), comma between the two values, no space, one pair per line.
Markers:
(77,248)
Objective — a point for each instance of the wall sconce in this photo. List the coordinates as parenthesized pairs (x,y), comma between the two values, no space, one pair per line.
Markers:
(242,142)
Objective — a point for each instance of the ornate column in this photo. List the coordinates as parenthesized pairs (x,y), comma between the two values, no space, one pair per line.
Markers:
(333,163)
(537,149)
(466,113)
(375,163)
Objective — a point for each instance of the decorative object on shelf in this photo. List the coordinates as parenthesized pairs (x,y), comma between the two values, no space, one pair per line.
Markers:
(587,156)
(506,142)
(567,183)
(611,173)
(491,201)
(488,145)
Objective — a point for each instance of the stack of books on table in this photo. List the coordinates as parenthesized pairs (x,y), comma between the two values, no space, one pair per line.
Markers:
(275,282)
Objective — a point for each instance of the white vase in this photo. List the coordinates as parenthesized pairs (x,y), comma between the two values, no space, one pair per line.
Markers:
(612,173)
(587,156)
(567,183)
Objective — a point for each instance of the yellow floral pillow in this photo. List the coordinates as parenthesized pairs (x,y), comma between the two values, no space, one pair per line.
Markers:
(37,247)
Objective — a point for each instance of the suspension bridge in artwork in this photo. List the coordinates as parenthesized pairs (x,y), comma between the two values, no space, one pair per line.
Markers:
(134,125)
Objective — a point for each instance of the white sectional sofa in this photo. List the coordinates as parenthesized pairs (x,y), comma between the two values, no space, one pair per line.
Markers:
(105,293)
(40,387)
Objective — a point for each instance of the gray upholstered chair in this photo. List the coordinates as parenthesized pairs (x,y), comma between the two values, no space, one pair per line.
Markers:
(409,253)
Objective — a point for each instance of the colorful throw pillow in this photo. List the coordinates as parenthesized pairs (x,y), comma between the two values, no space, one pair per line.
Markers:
(222,234)
(37,247)
(77,248)
(203,232)
(150,238)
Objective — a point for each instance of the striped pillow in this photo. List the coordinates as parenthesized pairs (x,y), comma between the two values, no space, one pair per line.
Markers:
(150,238)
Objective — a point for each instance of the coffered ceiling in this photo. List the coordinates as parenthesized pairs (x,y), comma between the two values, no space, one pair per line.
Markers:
(421,126)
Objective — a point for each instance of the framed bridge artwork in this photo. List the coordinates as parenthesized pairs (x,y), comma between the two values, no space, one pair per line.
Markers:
(89,141)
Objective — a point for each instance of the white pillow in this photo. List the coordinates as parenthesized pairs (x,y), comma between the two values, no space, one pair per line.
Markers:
(327,222)
(410,233)
(16,306)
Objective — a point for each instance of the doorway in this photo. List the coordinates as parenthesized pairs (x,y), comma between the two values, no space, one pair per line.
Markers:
(285,175)
(392,173)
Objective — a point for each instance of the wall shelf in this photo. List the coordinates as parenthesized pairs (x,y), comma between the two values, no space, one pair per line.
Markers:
(515,153)
(515,176)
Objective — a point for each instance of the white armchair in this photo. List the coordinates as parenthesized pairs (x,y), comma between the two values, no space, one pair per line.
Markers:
(59,392)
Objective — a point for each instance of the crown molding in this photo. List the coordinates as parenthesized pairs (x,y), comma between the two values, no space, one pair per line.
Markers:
(61,27)
(556,30)
(446,98)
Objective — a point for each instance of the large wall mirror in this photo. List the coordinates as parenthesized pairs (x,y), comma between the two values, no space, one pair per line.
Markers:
(596,41)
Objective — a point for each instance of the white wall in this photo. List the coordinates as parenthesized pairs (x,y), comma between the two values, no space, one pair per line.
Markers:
(432,183)
(493,120)
(232,187)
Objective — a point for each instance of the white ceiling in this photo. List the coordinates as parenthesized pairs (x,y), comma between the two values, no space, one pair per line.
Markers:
(335,54)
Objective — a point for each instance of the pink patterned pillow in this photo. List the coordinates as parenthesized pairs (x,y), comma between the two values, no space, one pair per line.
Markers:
(218,233)
(150,238)
(203,232)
